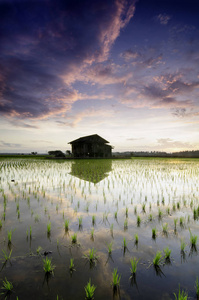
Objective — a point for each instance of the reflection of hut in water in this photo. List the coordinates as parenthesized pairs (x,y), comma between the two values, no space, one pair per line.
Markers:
(91,170)
(91,146)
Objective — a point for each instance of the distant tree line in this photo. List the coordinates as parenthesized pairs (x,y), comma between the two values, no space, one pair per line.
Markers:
(182,154)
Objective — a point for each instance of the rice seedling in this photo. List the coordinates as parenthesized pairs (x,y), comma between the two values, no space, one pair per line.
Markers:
(167,253)
(30,232)
(89,289)
(6,256)
(127,212)
(144,208)
(174,207)
(74,238)
(182,221)
(182,245)
(72,266)
(48,266)
(154,233)
(157,259)
(150,218)
(38,250)
(92,257)
(168,210)
(49,228)
(116,279)
(93,220)
(165,228)
(115,215)
(134,263)
(135,210)
(197,287)
(125,224)
(160,213)
(193,239)
(138,221)
(66,225)
(110,247)
(136,239)
(10,237)
(182,295)
(124,243)
(0,224)
(178,205)
(92,234)
(175,223)
(80,221)
(7,287)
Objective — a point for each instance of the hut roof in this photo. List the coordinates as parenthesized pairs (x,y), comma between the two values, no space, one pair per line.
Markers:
(94,138)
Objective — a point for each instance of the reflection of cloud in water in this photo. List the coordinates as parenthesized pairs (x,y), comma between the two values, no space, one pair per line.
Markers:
(91,170)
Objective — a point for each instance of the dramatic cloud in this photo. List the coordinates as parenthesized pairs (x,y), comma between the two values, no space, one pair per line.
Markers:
(57,41)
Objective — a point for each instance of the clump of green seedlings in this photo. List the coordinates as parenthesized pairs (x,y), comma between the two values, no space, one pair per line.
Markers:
(138,221)
(197,288)
(124,245)
(93,220)
(48,266)
(182,295)
(165,228)
(38,250)
(193,239)
(92,234)
(167,253)
(92,257)
(150,217)
(10,237)
(144,208)
(126,224)
(136,238)
(80,222)
(74,238)
(115,215)
(154,233)
(135,210)
(127,212)
(72,266)
(48,228)
(66,225)
(157,259)
(116,280)
(89,289)
(160,214)
(134,263)
(175,223)
(182,221)
(7,287)
(0,224)
(111,229)
(6,256)
(110,248)
(182,245)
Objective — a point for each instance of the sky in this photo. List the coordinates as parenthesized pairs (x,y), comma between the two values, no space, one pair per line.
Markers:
(126,70)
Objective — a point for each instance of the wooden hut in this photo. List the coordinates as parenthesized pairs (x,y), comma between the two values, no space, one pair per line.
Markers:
(91,146)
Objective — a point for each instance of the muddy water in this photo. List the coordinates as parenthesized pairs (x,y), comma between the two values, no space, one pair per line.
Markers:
(34,193)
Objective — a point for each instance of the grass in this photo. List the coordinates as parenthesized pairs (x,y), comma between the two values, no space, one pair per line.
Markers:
(134,263)
(124,243)
(126,224)
(182,295)
(7,287)
(115,279)
(92,233)
(157,259)
(93,220)
(80,221)
(48,266)
(89,289)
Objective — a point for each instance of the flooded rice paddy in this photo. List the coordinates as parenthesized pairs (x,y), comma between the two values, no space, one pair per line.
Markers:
(91,218)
